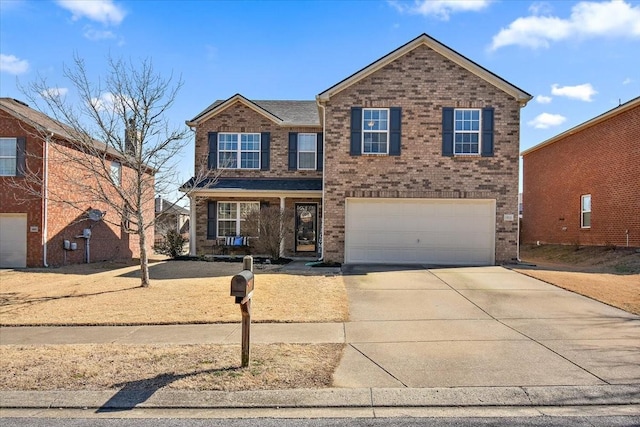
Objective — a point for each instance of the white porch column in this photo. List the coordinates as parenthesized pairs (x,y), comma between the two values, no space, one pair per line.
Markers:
(282,241)
(192,225)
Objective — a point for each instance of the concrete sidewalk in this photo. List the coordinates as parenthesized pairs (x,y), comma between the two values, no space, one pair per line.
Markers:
(483,337)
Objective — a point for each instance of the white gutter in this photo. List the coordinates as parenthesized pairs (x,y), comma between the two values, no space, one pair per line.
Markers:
(45,199)
(324,168)
(192,225)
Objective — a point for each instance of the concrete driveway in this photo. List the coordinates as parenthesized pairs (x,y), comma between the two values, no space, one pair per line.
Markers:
(480,326)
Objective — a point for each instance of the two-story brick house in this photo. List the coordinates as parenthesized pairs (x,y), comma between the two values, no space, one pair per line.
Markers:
(38,226)
(416,161)
(582,187)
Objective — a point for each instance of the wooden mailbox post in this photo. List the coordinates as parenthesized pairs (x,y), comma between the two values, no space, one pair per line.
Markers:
(242,288)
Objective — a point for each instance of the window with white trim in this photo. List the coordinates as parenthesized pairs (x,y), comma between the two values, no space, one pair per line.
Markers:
(8,156)
(375,130)
(116,173)
(231,217)
(466,131)
(307,145)
(239,150)
(585,211)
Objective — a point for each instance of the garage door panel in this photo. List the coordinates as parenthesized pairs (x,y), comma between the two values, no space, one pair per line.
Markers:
(430,231)
(13,241)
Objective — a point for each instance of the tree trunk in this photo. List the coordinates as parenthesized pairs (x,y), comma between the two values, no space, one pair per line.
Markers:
(144,261)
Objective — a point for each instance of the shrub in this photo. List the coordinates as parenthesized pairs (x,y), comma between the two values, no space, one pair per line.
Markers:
(172,245)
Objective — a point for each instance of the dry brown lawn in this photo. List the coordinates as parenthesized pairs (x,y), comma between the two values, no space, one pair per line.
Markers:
(604,274)
(180,292)
(185,367)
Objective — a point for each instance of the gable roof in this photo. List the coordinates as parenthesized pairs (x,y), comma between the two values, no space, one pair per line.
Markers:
(283,113)
(34,118)
(424,40)
(634,103)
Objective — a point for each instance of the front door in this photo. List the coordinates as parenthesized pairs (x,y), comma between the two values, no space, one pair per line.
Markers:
(306,227)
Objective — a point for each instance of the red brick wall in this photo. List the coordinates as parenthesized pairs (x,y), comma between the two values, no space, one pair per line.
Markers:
(602,160)
(64,222)
(422,82)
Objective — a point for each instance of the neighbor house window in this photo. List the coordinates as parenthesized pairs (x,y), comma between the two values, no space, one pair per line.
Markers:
(231,218)
(116,173)
(466,131)
(585,211)
(8,156)
(375,131)
(239,150)
(307,145)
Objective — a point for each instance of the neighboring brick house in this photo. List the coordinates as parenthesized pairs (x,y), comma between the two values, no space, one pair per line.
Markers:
(34,229)
(416,161)
(582,186)
(170,216)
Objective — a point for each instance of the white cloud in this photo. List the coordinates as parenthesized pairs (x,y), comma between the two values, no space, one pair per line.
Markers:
(13,65)
(582,92)
(54,92)
(95,35)
(104,11)
(546,120)
(540,8)
(627,81)
(441,9)
(111,102)
(587,20)
(541,99)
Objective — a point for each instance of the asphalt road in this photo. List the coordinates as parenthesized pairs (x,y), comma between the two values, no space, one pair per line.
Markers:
(541,421)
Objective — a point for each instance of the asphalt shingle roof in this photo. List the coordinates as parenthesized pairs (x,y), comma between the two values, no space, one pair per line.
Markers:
(273,184)
(290,112)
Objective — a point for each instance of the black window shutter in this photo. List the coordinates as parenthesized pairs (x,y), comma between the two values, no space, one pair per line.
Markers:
(212,212)
(447,131)
(356,131)
(21,156)
(395,131)
(213,150)
(264,204)
(487,132)
(320,151)
(265,146)
(293,151)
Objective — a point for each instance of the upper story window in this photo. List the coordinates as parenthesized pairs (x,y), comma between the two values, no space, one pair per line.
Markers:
(239,150)
(585,211)
(8,156)
(375,131)
(466,131)
(116,173)
(307,147)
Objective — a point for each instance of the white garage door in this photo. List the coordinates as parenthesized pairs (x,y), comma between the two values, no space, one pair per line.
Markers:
(424,231)
(13,240)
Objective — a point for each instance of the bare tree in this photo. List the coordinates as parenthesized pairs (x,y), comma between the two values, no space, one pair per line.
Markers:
(118,136)
(272,225)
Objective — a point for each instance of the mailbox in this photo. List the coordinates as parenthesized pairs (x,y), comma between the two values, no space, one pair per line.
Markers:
(242,284)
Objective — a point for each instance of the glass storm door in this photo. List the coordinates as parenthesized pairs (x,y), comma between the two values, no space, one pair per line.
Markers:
(306,227)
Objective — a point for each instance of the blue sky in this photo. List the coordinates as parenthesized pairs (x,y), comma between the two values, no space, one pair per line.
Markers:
(578,58)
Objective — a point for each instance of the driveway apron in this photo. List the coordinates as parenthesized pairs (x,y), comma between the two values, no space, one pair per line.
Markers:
(480,326)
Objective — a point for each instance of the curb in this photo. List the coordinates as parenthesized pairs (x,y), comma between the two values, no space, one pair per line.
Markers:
(557,396)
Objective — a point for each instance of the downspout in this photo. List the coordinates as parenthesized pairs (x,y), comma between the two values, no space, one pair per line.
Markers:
(45,199)
(324,168)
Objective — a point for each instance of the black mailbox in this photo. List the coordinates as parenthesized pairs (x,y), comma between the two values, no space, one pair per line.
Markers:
(242,284)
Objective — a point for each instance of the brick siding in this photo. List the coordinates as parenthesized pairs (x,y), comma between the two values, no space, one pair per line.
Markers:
(422,82)
(602,160)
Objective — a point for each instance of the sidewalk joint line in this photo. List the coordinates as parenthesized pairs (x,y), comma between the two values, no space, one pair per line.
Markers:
(378,365)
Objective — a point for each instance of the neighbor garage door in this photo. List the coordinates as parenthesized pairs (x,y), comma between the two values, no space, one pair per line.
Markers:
(13,240)
(425,231)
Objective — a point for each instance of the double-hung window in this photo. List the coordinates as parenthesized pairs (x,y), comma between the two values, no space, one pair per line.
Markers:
(585,211)
(375,131)
(307,146)
(466,131)
(8,156)
(239,150)
(231,217)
